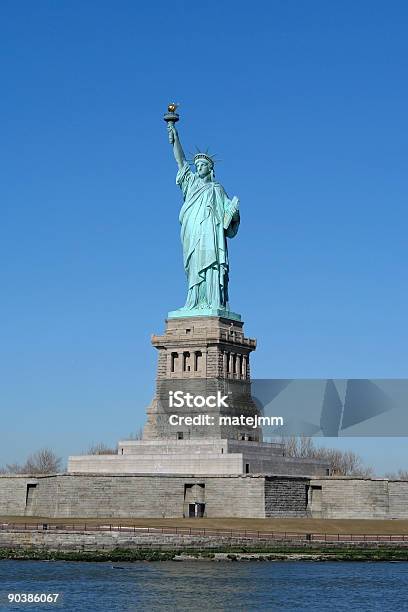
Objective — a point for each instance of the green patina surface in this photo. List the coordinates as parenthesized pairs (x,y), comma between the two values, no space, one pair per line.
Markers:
(204,312)
(208,217)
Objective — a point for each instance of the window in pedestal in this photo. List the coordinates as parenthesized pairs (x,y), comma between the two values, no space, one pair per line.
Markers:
(174,361)
(234,364)
(186,362)
(198,361)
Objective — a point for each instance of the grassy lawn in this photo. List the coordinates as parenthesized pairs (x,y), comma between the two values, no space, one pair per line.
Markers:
(295,525)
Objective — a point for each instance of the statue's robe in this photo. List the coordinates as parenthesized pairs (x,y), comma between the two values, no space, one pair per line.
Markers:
(207,218)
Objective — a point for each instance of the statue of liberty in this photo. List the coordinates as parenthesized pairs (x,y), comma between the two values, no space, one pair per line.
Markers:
(207,217)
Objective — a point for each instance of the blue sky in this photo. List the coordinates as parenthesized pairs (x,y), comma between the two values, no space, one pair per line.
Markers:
(304,103)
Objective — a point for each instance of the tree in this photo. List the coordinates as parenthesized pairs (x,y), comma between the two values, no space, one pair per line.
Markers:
(342,463)
(13,468)
(43,461)
(400,475)
(137,435)
(101,449)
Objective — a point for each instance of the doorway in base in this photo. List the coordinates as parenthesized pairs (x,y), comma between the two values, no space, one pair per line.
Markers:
(196,510)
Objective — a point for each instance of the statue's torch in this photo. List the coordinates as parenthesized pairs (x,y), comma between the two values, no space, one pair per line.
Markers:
(171,117)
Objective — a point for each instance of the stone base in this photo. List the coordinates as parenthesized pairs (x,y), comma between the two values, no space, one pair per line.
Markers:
(205,456)
(167,495)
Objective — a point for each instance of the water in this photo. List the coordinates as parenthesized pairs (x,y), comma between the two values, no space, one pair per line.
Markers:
(201,585)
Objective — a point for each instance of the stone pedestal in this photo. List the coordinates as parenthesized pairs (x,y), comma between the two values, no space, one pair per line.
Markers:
(200,356)
(206,357)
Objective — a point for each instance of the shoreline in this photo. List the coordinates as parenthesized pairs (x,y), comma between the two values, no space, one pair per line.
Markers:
(128,545)
(222,553)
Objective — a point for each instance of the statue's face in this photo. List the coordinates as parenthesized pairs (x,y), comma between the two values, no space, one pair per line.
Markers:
(203,168)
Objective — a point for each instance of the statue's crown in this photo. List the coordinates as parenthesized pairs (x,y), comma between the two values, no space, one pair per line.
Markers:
(205,156)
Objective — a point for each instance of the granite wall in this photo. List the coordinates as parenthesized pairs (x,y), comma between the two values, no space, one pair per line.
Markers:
(160,496)
(358,498)
(286,497)
(165,496)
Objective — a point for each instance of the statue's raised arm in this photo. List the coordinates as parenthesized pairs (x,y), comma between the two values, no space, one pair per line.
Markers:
(171,117)
(177,148)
